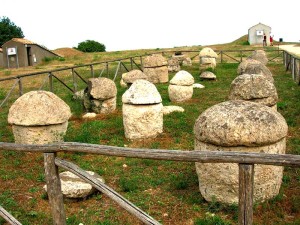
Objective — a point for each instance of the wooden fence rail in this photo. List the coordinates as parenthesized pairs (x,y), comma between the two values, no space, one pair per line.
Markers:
(132,63)
(292,63)
(245,160)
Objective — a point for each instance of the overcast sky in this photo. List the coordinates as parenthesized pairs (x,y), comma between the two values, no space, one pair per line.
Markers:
(136,24)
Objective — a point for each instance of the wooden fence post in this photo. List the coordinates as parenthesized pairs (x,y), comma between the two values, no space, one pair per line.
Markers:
(107,69)
(20,86)
(74,81)
(54,189)
(92,71)
(131,64)
(50,82)
(241,52)
(141,59)
(246,180)
(221,56)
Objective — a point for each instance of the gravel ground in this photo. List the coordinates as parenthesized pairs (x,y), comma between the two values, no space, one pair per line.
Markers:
(291,48)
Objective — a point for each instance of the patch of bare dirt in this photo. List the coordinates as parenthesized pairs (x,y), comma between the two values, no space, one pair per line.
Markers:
(67,52)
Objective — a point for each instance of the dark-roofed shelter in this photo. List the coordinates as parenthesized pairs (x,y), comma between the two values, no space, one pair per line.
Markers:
(19,52)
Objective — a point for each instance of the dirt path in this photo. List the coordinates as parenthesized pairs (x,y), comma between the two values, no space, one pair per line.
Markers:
(291,49)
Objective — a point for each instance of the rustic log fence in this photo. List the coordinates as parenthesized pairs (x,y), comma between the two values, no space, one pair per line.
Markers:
(292,63)
(126,64)
(246,162)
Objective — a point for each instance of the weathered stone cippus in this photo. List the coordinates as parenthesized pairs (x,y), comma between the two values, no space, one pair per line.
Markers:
(259,55)
(131,76)
(142,111)
(254,87)
(39,117)
(100,95)
(156,69)
(173,65)
(252,66)
(240,126)
(181,87)
(207,58)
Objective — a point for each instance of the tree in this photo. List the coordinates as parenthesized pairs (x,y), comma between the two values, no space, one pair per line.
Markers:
(9,30)
(91,46)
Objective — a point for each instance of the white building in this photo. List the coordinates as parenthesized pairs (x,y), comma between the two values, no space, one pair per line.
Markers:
(256,34)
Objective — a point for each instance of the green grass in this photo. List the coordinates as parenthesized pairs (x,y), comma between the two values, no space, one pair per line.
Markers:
(158,187)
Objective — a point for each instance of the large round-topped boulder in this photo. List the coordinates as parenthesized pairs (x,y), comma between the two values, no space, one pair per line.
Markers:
(39,117)
(254,87)
(181,86)
(207,58)
(252,66)
(239,126)
(259,55)
(142,111)
(131,76)
(100,95)
(156,68)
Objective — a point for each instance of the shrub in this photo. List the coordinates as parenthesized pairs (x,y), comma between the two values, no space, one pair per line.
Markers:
(91,46)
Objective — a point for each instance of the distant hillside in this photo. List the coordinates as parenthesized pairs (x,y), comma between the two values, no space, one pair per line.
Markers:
(241,41)
(66,52)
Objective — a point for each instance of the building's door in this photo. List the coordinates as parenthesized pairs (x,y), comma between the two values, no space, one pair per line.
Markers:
(28,49)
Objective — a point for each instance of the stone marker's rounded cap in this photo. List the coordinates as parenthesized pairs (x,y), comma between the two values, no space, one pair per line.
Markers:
(208,52)
(38,108)
(102,88)
(182,78)
(134,75)
(240,123)
(141,92)
(254,87)
(155,60)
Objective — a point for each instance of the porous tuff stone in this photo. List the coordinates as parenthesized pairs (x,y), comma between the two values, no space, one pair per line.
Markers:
(251,66)
(142,111)
(240,123)
(142,121)
(156,69)
(73,186)
(133,75)
(99,106)
(181,87)
(253,87)
(208,53)
(187,62)
(179,93)
(155,60)
(39,134)
(39,117)
(141,92)
(157,74)
(180,58)
(101,88)
(173,65)
(259,55)
(182,78)
(38,108)
(197,85)
(244,127)
(172,108)
(207,75)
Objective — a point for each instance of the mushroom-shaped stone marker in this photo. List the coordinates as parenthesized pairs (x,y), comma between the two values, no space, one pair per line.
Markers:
(156,69)
(259,55)
(142,111)
(181,87)
(207,58)
(39,117)
(252,66)
(131,76)
(239,126)
(100,96)
(254,87)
